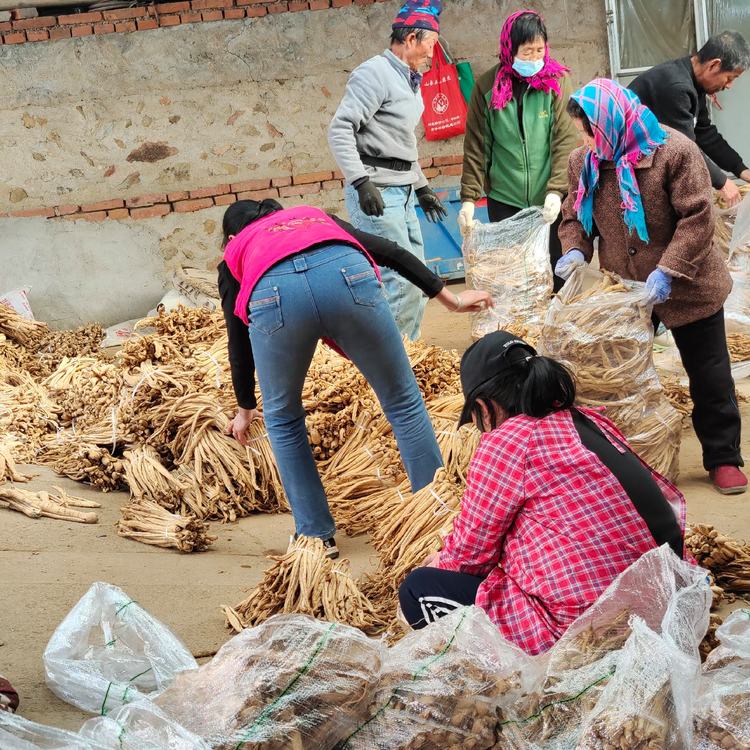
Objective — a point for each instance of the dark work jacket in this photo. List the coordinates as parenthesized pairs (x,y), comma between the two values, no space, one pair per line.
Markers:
(672,93)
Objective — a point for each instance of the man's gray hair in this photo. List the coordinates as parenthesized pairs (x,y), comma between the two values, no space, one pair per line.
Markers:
(728,46)
(400,35)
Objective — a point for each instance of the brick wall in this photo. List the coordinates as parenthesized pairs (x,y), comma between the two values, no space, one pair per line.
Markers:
(155,205)
(18,30)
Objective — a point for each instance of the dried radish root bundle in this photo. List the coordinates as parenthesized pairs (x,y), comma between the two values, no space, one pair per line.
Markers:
(305,581)
(445,686)
(149,480)
(292,683)
(60,506)
(510,259)
(722,716)
(27,333)
(8,470)
(739,346)
(604,335)
(186,326)
(725,217)
(727,558)
(150,523)
(85,462)
(56,346)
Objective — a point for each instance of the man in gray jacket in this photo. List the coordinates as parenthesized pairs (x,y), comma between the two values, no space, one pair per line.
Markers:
(372,139)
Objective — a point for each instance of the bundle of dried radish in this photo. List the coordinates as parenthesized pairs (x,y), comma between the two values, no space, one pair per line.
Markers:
(739,346)
(305,581)
(27,415)
(60,506)
(82,461)
(58,345)
(27,333)
(87,390)
(186,326)
(725,217)
(149,480)
(604,335)
(149,523)
(8,469)
(726,558)
(437,370)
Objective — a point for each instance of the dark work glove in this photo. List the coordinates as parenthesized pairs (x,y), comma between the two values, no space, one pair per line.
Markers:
(370,199)
(433,209)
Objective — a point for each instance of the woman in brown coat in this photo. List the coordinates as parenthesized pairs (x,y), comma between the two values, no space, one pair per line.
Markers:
(645,192)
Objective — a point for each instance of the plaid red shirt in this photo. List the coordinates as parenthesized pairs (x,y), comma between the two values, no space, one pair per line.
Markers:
(547,524)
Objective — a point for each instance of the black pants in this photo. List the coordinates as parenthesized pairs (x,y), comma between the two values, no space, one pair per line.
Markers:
(427,594)
(716,416)
(500,211)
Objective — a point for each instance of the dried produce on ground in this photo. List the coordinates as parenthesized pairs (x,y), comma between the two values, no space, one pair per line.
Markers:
(58,505)
(8,470)
(305,581)
(84,462)
(150,523)
(726,558)
(27,333)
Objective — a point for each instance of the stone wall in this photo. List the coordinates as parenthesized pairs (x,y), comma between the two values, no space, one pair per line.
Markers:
(101,124)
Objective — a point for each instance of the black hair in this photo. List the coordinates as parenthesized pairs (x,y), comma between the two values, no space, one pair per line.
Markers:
(529,384)
(400,35)
(525,29)
(242,213)
(575,110)
(728,46)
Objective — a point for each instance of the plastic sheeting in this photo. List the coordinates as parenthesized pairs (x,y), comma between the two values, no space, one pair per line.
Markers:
(109,651)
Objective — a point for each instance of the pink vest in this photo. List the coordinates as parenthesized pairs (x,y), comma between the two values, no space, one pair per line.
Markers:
(269,240)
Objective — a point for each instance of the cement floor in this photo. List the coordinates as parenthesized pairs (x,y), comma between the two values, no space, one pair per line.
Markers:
(46,565)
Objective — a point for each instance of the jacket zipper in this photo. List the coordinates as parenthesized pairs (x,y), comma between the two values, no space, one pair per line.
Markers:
(525,153)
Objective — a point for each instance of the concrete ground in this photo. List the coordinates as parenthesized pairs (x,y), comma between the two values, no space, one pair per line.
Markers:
(46,565)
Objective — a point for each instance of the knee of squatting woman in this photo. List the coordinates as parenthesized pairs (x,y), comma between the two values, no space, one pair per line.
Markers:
(556,506)
(291,277)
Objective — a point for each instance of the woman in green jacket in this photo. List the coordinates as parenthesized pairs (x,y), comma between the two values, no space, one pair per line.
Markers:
(518,137)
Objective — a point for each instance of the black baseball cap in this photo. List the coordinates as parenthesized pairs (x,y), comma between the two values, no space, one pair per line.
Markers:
(482,361)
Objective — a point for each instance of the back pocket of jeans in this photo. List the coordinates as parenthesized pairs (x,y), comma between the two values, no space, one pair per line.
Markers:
(265,313)
(363,284)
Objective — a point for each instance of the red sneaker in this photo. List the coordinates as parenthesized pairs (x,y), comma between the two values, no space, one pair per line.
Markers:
(728,480)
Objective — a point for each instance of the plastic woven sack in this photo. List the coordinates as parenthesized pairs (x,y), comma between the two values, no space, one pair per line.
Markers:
(671,597)
(600,327)
(445,687)
(510,259)
(109,651)
(291,683)
(722,718)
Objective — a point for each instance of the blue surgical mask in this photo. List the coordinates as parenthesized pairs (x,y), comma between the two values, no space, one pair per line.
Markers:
(527,68)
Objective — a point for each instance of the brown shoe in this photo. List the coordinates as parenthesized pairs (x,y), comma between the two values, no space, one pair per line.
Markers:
(728,480)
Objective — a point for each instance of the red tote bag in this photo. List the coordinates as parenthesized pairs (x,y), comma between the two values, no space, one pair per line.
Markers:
(444,113)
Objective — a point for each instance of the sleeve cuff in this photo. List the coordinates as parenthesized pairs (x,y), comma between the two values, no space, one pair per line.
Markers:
(678,268)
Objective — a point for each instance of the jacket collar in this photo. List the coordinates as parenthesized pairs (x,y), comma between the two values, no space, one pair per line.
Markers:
(687,64)
(412,78)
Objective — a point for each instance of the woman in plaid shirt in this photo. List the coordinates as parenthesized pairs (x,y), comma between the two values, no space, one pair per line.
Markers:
(556,503)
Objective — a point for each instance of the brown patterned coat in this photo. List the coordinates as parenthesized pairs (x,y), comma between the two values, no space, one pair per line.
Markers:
(676,193)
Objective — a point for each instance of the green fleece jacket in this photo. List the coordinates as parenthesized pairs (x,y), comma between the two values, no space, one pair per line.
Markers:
(511,167)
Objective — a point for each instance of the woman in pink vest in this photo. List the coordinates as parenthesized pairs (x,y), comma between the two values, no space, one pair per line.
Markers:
(291,277)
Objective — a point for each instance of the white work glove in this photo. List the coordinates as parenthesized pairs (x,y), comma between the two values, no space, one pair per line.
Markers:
(568,263)
(551,209)
(466,218)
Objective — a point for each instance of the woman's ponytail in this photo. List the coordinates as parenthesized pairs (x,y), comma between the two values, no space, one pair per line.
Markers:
(547,387)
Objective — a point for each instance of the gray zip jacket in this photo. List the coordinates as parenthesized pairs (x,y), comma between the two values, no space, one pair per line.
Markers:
(377,116)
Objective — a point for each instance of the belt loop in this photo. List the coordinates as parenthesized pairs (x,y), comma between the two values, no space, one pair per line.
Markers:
(300,264)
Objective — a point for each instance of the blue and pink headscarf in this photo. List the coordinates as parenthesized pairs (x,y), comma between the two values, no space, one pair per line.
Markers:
(547,79)
(625,131)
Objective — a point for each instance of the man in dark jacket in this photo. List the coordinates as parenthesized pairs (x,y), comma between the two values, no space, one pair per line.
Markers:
(675,91)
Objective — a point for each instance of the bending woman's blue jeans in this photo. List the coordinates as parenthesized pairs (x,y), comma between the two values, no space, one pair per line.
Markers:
(331,292)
